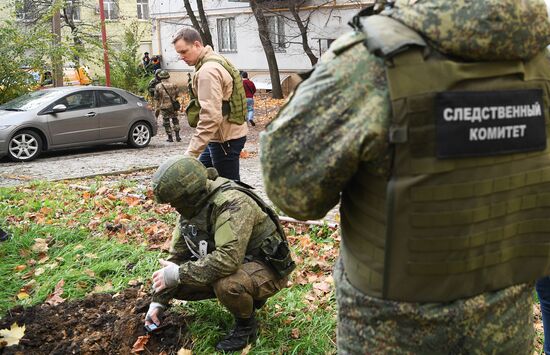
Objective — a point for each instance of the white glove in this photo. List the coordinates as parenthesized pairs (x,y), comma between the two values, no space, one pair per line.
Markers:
(166,277)
(153,314)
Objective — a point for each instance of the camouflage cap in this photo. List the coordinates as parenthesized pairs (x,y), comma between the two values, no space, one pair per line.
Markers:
(479,30)
(163,74)
(179,177)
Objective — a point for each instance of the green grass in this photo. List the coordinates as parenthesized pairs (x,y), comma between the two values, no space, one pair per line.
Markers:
(282,314)
(86,255)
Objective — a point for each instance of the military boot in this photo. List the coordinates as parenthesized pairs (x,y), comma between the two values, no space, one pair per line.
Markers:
(178,138)
(245,332)
(169,138)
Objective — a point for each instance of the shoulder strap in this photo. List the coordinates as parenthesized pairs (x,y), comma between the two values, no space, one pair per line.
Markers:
(167,93)
(264,207)
(387,37)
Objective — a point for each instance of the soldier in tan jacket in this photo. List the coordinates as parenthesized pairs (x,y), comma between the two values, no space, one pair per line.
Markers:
(217,142)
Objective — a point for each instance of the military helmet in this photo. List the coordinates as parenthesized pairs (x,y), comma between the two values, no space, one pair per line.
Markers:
(163,74)
(179,177)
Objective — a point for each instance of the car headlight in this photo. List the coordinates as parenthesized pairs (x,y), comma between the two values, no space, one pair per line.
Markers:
(2,127)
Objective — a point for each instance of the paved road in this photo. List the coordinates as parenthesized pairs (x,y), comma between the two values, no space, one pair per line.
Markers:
(113,158)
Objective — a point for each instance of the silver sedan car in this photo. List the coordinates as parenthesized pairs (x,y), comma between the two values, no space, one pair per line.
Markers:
(73,117)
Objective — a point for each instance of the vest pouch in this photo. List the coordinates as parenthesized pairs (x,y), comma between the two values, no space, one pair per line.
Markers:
(176,105)
(276,254)
(226,110)
(192,110)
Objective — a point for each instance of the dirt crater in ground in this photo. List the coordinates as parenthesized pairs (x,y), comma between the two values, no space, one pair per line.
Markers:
(98,324)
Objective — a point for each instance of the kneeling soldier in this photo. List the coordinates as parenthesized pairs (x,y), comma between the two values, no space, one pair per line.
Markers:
(227,244)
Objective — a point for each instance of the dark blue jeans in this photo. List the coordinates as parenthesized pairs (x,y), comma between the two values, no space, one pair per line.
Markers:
(224,157)
(543,291)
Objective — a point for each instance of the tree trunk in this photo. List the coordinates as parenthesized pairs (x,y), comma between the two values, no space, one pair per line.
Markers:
(205,27)
(202,27)
(77,41)
(303,32)
(277,92)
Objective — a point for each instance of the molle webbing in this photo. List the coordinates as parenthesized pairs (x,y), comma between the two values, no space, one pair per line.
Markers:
(236,106)
(448,228)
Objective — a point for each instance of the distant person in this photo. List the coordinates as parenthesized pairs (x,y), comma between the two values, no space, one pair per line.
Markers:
(217,108)
(166,94)
(155,63)
(146,60)
(249,90)
(151,90)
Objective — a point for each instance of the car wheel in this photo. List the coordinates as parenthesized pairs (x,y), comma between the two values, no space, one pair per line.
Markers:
(139,135)
(24,146)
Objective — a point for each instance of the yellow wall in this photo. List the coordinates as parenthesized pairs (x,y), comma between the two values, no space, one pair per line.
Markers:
(89,14)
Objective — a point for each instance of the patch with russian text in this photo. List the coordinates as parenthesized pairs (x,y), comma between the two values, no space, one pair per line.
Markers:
(483,123)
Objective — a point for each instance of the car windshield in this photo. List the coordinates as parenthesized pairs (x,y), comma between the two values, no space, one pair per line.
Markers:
(30,101)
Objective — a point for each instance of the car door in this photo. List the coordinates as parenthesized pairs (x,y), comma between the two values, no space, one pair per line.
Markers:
(114,115)
(78,124)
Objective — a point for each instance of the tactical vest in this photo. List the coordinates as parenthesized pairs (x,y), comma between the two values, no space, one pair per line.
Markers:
(466,207)
(270,246)
(235,108)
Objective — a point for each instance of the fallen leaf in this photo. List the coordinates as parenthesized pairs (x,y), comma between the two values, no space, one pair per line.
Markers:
(246,350)
(184,351)
(29,286)
(55,298)
(52,266)
(40,245)
(43,259)
(89,273)
(22,296)
(20,267)
(133,282)
(39,271)
(78,247)
(103,288)
(295,333)
(322,286)
(132,201)
(140,343)
(244,154)
(90,256)
(13,335)
(101,190)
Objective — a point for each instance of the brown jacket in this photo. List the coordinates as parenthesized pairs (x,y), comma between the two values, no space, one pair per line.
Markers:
(212,84)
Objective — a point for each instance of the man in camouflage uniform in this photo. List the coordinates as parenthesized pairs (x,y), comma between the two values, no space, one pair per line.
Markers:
(227,244)
(334,134)
(166,94)
(151,90)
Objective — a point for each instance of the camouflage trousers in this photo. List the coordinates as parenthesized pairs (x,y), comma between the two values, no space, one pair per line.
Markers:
(254,281)
(498,322)
(168,115)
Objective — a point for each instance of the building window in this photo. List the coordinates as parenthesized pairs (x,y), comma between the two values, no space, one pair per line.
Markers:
(110,9)
(227,38)
(276,28)
(143,9)
(24,10)
(72,8)
(324,44)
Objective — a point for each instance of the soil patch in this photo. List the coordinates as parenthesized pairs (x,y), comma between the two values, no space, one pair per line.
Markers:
(98,324)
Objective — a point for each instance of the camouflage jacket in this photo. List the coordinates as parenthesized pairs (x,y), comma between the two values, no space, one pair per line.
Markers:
(162,97)
(231,223)
(337,120)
